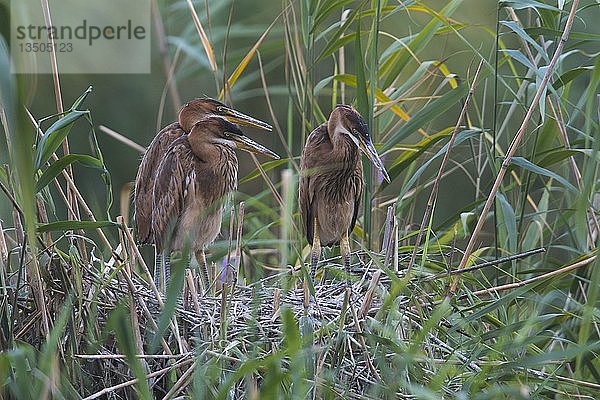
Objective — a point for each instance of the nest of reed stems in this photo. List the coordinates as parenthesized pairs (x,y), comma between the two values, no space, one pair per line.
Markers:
(338,325)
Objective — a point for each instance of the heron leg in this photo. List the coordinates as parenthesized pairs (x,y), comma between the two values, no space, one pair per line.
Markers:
(345,251)
(201,257)
(316,250)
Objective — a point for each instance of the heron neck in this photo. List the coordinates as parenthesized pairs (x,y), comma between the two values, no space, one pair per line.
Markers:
(345,152)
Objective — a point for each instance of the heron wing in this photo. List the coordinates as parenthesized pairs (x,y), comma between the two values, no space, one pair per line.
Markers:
(146,175)
(312,159)
(174,177)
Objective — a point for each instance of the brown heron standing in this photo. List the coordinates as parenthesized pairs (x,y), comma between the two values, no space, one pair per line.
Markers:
(331,180)
(189,115)
(192,184)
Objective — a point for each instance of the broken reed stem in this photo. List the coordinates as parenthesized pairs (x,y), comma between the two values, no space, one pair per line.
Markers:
(238,244)
(438,178)
(361,338)
(368,299)
(513,146)
(123,356)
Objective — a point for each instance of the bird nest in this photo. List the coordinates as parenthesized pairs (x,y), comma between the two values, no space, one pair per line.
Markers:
(247,322)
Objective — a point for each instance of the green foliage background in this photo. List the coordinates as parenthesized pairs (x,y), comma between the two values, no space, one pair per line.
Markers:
(417,61)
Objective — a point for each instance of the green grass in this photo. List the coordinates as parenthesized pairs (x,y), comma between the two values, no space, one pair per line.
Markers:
(76,308)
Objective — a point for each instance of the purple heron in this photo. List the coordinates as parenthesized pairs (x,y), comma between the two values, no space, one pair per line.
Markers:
(193,113)
(331,181)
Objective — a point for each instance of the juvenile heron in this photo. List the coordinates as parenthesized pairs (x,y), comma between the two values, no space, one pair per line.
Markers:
(189,115)
(331,181)
(192,183)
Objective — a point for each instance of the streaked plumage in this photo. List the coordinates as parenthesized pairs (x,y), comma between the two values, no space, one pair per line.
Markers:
(331,180)
(188,116)
(192,183)
(184,177)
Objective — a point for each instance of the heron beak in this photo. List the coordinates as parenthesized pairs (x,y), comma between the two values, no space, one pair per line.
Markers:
(368,148)
(245,143)
(237,117)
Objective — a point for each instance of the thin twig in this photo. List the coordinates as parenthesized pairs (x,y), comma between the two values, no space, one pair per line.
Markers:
(438,179)
(159,29)
(134,381)
(515,285)
(513,146)
(123,139)
(490,263)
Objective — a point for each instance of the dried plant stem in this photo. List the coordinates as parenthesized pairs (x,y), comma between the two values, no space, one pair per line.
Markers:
(361,338)
(123,139)
(560,122)
(513,146)
(161,304)
(278,129)
(438,179)
(159,29)
(368,299)
(53,62)
(491,263)
(60,109)
(123,356)
(203,38)
(181,382)
(515,285)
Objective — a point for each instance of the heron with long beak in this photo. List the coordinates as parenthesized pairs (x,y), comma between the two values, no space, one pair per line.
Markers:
(331,181)
(193,113)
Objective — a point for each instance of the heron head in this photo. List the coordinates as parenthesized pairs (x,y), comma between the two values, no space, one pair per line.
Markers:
(196,109)
(219,130)
(344,119)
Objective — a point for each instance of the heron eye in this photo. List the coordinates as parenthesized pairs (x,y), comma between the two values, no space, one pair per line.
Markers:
(220,109)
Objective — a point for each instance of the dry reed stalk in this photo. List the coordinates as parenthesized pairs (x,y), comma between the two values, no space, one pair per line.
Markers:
(74,209)
(278,129)
(515,285)
(210,55)
(3,249)
(560,122)
(361,339)
(436,185)
(288,192)
(238,246)
(122,138)
(137,334)
(368,299)
(161,38)
(123,356)
(514,144)
(181,382)
(173,324)
(125,199)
